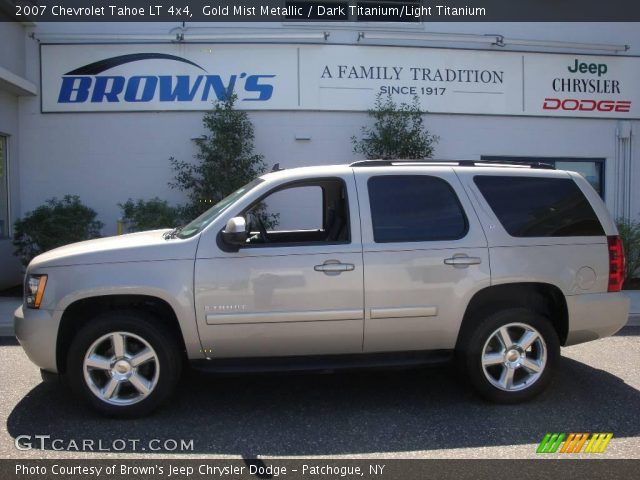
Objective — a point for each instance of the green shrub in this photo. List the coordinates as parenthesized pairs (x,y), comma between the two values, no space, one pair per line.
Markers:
(630,234)
(56,223)
(148,214)
(398,132)
(225,161)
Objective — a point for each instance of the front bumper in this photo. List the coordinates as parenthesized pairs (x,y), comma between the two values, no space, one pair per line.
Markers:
(37,332)
(596,315)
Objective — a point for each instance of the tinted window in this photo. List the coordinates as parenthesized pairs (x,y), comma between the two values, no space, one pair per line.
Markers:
(539,207)
(592,169)
(414,208)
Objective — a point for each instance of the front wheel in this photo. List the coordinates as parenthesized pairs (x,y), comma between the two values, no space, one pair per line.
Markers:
(124,363)
(510,356)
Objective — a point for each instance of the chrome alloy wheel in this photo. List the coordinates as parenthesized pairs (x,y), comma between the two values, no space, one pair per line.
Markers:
(121,368)
(514,357)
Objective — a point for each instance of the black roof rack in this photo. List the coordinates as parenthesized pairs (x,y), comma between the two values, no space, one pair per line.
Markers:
(461,163)
(372,163)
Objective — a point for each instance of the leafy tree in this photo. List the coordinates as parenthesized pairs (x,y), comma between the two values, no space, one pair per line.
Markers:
(630,234)
(56,223)
(398,132)
(149,214)
(226,160)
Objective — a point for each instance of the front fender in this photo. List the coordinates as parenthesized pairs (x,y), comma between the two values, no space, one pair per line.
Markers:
(168,280)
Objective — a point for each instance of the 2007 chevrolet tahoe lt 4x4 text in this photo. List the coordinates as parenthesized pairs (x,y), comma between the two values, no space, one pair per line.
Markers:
(368,264)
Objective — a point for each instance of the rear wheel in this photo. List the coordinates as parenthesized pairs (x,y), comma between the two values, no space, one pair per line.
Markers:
(124,363)
(510,356)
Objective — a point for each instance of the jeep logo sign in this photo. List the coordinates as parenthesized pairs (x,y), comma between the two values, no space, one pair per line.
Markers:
(583,67)
(179,77)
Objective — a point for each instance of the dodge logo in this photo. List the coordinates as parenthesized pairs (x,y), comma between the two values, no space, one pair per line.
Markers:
(586,105)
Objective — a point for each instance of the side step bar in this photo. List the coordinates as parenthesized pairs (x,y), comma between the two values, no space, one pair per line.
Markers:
(324,362)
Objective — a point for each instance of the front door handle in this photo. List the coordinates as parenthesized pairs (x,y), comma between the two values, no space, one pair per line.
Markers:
(462,261)
(334,267)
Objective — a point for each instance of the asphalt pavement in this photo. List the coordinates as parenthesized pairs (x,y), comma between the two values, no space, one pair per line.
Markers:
(427,413)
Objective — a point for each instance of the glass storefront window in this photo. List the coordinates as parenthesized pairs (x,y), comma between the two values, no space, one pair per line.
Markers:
(4,189)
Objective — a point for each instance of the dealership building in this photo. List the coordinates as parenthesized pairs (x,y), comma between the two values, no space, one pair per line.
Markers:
(97,109)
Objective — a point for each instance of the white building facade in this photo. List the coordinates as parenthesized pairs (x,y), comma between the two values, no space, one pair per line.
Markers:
(96,110)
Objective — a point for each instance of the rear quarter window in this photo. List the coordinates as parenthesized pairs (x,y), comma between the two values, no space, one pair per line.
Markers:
(539,206)
(414,208)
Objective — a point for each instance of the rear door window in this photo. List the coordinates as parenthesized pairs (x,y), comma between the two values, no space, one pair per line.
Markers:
(414,208)
(539,206)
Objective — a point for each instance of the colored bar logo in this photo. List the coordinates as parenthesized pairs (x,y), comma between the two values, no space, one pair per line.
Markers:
(574,442)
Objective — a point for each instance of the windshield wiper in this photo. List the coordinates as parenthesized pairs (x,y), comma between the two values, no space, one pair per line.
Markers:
(172,234)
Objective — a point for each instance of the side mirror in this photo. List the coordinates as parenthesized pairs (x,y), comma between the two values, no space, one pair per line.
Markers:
(235,232)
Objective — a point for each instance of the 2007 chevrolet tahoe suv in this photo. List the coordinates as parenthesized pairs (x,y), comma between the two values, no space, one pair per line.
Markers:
(368,264)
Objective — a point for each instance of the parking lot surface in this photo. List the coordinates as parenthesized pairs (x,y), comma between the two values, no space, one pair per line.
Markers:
(426,413)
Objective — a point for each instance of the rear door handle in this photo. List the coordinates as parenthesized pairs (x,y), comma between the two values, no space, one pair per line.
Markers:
(462,261)
(334,267)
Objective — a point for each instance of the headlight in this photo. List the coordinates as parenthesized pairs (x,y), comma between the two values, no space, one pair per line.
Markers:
(34,289)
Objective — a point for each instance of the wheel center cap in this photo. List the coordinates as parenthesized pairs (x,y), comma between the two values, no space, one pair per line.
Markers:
(512,356)
(122,367)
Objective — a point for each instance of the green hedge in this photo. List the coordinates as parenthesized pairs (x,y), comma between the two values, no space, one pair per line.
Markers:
(149,214)
(56,223)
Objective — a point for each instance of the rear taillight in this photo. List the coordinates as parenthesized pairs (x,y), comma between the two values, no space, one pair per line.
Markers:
(616,263)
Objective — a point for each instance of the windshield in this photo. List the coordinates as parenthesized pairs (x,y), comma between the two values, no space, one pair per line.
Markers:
(196,226)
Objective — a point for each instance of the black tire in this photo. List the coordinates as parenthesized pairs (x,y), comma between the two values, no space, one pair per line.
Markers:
(472,344)
(150,329)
